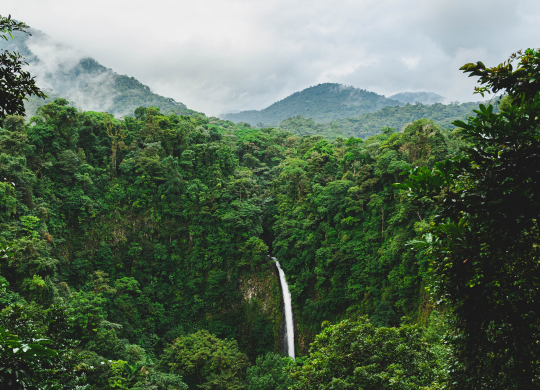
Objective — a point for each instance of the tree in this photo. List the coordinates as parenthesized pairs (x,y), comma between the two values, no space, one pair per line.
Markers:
(358,355)
(484,245)
(37,352)
(19,359)
(207,361)
(269,373)
(15,83)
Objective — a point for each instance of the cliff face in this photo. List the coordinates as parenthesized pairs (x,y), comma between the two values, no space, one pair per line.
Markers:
(261,326)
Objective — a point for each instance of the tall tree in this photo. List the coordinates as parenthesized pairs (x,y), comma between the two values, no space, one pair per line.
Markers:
(484,245)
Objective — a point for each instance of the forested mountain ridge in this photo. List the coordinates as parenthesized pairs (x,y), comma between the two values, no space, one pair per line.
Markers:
(133,251)
(418,97)
(322,102)
(370,124)
(83,81)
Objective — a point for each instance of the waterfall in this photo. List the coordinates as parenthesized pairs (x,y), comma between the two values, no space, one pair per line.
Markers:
(289,328)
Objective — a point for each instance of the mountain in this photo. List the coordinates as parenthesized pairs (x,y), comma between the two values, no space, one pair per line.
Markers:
(84,82)
(399,117)
(369,124)
(322,102)
(418,97)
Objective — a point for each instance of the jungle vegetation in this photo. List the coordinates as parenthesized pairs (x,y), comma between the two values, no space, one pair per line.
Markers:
(370,124)
(133,251)
(156,228)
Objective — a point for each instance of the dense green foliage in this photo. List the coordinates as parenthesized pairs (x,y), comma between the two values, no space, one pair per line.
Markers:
(322,102)
(484,241)
(302,126)
(40,354)
(341,228)
(370,124)
(269,373)
(207,361)
(133,251)
(358,355)
(157,227)
(147,229)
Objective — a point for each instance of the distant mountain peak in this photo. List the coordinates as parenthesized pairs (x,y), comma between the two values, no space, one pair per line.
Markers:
(322,102)
(84,82)
(418,97)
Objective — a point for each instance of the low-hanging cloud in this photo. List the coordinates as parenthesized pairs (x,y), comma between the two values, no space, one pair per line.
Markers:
(59,68)
(222,55)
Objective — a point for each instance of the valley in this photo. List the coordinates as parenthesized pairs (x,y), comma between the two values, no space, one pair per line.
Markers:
(335,239)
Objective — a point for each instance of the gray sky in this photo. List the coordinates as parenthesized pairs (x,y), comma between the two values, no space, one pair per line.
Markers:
(221,55)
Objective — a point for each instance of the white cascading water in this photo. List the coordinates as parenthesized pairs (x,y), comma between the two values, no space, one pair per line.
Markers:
(289,326)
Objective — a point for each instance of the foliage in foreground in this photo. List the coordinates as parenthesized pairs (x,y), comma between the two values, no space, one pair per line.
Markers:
(358,355)
(37,354)
(136,234)
(15,82)
(484,244)
(206,361)
(269,373)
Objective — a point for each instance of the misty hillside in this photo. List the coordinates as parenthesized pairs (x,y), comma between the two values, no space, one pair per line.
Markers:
(369,124)
(418,97)
(323,103)
(62,71)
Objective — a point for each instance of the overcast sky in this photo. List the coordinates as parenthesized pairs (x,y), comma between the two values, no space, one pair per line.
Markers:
(222,55)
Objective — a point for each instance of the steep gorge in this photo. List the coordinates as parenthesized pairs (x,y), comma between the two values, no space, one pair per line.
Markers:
(164,224)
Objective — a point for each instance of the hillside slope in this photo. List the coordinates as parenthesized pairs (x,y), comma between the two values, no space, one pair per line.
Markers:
(322,102)
(169,233)
(62,71)
(418,97)
(370,124)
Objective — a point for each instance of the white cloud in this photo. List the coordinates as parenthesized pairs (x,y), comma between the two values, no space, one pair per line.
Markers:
(410,62)
(220,55)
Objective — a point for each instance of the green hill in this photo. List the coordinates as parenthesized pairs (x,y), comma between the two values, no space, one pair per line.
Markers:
(85,83)
(366,125)
(418,97)
(323,103)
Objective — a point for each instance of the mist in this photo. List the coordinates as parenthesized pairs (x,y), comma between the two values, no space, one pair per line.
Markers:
(60,68)
(228,55)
